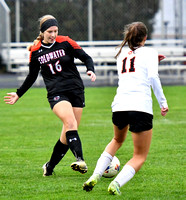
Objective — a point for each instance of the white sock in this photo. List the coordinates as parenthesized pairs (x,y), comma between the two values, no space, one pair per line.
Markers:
(125,175)
(102,163)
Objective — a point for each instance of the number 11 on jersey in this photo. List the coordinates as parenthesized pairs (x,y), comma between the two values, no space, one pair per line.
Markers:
(131,69)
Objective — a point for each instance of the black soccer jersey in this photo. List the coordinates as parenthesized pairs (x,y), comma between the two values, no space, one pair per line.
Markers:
(56,63)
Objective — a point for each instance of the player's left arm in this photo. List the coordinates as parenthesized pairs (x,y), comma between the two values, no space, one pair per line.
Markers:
(87,60)
(84,57)
(155,81)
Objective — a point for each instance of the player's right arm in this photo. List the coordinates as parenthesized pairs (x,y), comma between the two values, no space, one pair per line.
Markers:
(11,98)
(30,79)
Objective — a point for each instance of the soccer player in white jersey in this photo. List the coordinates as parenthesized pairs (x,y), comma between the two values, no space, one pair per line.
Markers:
(132,106)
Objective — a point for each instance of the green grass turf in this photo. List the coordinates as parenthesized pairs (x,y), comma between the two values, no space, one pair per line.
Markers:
(29,130)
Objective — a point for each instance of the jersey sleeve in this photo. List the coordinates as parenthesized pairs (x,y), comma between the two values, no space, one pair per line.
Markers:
(85,58)
(69,40)
(73,43)
(158,91)
(154,78)
(79,53)
(30,79)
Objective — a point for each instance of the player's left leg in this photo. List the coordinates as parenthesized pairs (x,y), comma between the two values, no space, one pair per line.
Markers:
(142,143)
(74,143)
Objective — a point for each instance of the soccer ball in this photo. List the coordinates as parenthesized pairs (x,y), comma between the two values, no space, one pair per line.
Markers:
(112,169)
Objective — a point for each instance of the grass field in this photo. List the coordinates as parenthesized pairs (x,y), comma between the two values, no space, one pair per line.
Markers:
(29,130)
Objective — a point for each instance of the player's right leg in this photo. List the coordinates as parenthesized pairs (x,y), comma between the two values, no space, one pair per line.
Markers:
(106,157)
(63,110)
(101,165)
(58,153)
(91,182)
(47,170)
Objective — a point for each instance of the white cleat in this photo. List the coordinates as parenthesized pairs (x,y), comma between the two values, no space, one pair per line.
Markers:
(79,166)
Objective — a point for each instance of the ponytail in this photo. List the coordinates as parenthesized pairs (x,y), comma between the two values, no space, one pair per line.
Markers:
(121,46)
(36,41)
(134,34)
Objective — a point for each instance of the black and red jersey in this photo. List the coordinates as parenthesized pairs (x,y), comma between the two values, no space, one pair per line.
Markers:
(56,64)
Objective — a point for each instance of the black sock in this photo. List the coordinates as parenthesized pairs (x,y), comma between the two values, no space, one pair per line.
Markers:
(74,144)
(59,152)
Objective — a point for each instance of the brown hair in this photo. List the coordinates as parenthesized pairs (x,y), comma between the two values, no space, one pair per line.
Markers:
(40,36)
(134,34)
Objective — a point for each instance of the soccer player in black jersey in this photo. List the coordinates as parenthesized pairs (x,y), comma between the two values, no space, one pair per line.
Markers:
(54,55)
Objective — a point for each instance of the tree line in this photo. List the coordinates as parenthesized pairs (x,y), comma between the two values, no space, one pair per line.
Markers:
(109,17)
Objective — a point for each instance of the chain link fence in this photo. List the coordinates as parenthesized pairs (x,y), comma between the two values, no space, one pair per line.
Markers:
(108,17)
(105,17)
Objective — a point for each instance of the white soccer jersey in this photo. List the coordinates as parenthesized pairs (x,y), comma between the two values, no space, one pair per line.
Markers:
(138,72)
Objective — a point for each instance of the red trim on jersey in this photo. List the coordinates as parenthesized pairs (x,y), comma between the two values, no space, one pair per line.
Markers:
(34,48)
(59,39)
(66,38)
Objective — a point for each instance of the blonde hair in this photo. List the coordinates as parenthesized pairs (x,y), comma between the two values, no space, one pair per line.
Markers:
(134,34)
(40,36)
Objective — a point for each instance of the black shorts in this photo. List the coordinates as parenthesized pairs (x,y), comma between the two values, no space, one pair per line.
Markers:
(75,97)
(137,121)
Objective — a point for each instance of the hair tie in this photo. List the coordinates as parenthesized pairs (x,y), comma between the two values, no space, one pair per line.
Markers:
(47,24)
